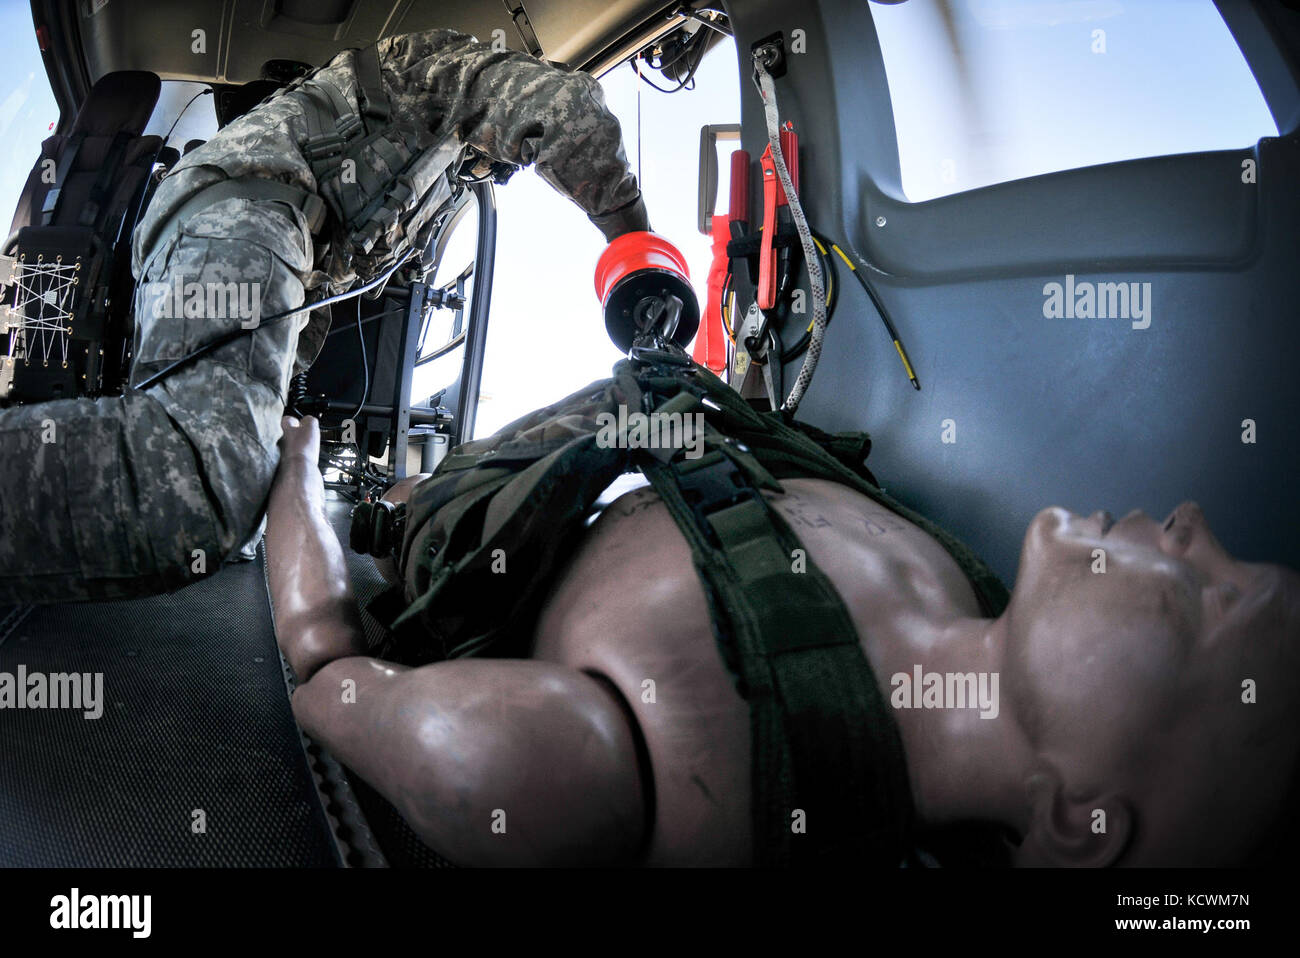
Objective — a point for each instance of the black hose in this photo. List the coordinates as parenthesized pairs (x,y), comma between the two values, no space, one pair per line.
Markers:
(833,287)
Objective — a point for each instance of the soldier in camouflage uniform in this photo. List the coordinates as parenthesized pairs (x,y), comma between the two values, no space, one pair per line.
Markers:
(139,494)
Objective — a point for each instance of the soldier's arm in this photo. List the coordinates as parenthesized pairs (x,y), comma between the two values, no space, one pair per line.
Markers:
(517,109)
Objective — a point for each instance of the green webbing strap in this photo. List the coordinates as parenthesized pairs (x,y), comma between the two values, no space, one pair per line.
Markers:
(829,780)
(786,451)
(370,86)
(246,188)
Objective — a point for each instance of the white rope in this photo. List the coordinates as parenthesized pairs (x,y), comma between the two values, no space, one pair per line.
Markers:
(50,286)
(768,91)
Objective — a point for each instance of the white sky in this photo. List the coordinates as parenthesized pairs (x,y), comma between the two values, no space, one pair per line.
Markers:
(1060,84)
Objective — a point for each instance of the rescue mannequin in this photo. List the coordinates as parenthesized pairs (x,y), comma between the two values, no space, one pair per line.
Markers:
(1128,730)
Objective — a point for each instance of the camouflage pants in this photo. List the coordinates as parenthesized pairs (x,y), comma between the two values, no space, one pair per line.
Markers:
(143,493)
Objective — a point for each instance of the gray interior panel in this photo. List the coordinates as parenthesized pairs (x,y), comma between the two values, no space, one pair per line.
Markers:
(1084,413)
(241,35)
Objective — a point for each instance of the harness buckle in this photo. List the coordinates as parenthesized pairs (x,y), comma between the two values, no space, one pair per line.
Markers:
(349,126)
(708,487)
(658,356)
(323,147)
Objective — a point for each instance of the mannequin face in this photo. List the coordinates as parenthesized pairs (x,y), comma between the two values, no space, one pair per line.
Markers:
(1133,682)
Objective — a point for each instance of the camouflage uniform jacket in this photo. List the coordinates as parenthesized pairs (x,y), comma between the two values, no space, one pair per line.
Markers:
(141,493)
(455,92)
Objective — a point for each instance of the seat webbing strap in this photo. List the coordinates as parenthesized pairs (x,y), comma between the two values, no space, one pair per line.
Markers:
(109,176)
(50,208)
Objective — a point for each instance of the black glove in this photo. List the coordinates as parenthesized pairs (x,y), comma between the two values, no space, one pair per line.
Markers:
(631,217)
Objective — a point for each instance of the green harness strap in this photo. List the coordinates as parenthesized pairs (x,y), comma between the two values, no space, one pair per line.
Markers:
(828,777)
(789,449)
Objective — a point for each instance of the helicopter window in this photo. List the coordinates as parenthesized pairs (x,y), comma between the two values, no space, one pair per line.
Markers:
(28,111)
(195,120)
(440,355)
(986,91)
(547,337)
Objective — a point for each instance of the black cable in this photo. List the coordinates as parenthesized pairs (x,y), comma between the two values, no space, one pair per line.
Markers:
(706,22)
(828,269)
(723,311)
(690,75)
(298,394)
(686,82)
(663,64)
(231,336)
(139,207)
(369,319)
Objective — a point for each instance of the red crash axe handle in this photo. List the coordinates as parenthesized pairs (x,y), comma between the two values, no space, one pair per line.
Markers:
(767,252)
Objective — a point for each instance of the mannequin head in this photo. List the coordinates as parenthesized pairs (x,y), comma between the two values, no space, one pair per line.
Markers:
(1160,697)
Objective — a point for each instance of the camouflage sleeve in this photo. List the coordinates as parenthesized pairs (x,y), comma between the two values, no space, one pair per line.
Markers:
(105,499)
(142,493)
(517,109)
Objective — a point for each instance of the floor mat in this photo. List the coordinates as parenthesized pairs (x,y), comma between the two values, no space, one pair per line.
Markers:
(195,760)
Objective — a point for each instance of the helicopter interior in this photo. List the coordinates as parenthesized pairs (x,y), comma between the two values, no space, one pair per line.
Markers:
(1015,406)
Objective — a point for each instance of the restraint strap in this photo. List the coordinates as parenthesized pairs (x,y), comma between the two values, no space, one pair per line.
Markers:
(104,182)
(245,187)
(372,97)
(50,207)
(829,778)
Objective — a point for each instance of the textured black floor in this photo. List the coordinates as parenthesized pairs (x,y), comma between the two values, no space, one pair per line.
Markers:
(196,717)
(400,845)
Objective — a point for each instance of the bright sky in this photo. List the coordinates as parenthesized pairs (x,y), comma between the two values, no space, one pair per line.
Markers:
(27,108)
(1058,84)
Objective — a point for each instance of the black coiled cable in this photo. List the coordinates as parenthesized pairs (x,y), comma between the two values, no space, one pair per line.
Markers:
(298,394)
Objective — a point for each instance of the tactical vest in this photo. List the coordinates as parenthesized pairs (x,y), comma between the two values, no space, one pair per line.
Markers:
(824,741)
(383,178)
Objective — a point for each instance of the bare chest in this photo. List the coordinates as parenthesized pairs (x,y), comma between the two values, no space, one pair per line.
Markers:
(630,607)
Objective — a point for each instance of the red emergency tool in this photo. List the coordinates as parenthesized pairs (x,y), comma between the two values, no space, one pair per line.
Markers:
(640,279)
(711,343)
(776,211)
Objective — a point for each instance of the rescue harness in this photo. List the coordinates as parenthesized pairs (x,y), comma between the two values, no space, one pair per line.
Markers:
(823,740)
